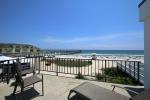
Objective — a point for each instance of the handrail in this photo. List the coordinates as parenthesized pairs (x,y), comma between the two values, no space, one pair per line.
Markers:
(74,66)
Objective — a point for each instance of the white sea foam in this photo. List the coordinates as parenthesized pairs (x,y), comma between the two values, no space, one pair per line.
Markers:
(105,57)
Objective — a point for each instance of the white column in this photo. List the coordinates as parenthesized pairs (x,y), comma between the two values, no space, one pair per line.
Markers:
(147,53)
(21,47)
(144,12)
(13,49)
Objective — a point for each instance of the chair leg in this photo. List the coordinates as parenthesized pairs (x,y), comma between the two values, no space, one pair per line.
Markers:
(69,94)
(15,89)
(33,85)
(1,78)
(21,95)
(42,86)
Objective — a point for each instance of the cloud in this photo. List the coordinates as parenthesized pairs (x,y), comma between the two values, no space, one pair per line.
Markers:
(108,41)
(49,39)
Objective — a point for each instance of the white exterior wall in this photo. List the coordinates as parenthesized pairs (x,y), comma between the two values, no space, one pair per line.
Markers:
(145,10)
(147,53)
(145,17)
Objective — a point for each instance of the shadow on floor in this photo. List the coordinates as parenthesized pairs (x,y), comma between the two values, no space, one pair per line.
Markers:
(27,95)
(138,90)
(77,97)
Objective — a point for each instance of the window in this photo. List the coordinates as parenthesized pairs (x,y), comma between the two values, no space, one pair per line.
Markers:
(31,50)
(25,49)
(17,50)
(8,50)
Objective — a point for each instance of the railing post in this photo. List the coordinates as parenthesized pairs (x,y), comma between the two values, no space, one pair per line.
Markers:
(138,72)
(117,65)
(130,63)
(102,68)
(57,67)
(125,66)
(121,66)
(105,70)
(1,71)
(134,70)
(78,62)
(7,74)
(125,69)
(39,65)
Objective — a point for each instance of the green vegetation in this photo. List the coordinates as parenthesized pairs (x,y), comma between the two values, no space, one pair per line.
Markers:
(114,75)
(72,63)
(80,76)
(100,76)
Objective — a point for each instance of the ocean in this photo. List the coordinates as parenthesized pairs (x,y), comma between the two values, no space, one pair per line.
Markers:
(100,52)
(114,52)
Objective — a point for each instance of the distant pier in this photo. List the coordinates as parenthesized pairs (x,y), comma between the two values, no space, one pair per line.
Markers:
(62,52)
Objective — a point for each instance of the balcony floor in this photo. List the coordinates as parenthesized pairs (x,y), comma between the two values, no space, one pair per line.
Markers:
(55,88)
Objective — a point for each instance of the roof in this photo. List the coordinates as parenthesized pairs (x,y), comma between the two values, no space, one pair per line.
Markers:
(16,44)
(3,44)
(142,2)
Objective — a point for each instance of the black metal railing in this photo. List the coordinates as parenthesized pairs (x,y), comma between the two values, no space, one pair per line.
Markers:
(89,67)
(73,66)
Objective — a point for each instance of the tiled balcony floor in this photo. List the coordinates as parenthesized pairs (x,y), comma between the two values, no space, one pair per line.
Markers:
(55,88)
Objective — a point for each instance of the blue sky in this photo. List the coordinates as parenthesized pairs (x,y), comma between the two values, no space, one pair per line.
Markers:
(72,24)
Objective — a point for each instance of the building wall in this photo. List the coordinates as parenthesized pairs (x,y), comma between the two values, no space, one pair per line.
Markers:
(144,11)
(8,48)
(147,53)
(25,49)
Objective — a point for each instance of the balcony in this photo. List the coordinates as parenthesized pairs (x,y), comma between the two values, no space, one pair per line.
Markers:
(60,76)
(55,88)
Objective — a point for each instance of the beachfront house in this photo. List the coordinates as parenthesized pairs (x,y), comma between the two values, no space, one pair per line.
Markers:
(17,48)
(144,10)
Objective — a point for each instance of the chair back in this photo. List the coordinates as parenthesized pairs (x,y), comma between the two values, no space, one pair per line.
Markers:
(17,73)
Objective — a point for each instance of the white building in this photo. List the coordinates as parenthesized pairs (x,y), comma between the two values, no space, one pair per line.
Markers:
(144,9)
(17,48)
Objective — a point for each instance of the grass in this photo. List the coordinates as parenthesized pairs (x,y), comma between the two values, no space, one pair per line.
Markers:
(113,75)
(72,63)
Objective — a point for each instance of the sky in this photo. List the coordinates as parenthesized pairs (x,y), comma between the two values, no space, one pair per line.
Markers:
(72,24)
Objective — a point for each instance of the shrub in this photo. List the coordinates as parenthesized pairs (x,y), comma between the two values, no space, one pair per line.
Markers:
(72,63)
(99,76)
(48,62)
(80,76)
(115,75)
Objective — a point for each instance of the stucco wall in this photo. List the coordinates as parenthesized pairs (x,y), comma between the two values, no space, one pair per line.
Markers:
(147,53)
(145,10)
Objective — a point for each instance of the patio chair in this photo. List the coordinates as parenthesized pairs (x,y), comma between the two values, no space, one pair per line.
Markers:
(4,73)
(89,91)
(25,82)
(28,71)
